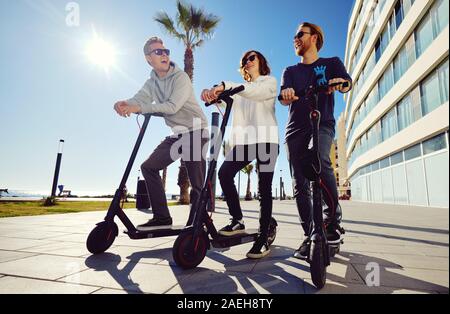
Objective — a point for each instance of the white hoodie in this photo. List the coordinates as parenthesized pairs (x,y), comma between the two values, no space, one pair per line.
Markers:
(254,118)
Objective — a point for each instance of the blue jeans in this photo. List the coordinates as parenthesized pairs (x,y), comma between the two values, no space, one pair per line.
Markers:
(297,146)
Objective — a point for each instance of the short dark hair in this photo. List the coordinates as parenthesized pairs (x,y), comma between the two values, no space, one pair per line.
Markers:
(315,30)
(264,68)
(151,41)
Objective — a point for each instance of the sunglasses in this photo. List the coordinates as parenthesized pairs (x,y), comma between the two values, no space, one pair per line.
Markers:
(251,58)
(160,52)
(300,34)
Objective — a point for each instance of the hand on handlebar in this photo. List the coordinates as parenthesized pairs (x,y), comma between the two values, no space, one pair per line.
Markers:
(288,96)
(123,109)
(339,87)
(210,95)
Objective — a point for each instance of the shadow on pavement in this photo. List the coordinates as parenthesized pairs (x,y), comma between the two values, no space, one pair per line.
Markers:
(274,274)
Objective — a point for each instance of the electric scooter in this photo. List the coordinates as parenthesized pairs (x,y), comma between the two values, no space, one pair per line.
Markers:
(320,251)
(103,235)
(192,244)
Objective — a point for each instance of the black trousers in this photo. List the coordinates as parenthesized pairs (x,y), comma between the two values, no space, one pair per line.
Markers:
(297,146)
(191,148)
(266,155)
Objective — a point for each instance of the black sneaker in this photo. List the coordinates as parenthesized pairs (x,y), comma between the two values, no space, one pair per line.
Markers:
(235,227)
(157,222)
(260,249)
(334,234)
(303,250)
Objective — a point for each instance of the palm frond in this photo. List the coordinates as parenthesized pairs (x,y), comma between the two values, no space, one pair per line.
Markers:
(209,23)
(199,43)
(183,15)
(167,23)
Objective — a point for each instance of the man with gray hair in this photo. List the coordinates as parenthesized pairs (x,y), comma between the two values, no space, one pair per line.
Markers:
(169,93)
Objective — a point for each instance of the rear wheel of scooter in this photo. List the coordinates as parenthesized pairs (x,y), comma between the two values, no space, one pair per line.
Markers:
(102,237)
(187,252)
(272,231)
(317,264)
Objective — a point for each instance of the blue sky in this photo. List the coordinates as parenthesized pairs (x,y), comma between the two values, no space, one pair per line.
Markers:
(50,90)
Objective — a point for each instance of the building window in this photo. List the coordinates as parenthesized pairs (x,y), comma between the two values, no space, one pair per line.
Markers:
(430,94)
(384,163)
(398,13)
(443,80)
(424,35)
(405,113)
(439,14)
(386,81)
(434,144)
(389,124)
(396,158)
(400,64)
(413,152)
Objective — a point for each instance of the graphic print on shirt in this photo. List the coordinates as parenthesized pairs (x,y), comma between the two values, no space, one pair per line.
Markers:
(320,75)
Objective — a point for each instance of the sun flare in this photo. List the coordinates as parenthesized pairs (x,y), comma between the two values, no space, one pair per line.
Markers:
(101,52)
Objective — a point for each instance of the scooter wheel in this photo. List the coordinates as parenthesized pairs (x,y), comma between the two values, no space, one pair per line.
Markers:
(317,264)
(272,231)
(187,252)
(333,250)
(102,237)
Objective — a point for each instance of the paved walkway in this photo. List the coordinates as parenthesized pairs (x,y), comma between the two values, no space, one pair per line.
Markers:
(47,254)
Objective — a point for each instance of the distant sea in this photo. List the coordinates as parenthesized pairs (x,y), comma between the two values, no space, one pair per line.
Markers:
(36,195)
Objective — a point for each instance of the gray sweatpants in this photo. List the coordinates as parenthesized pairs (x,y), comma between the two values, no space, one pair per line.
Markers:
(191,148)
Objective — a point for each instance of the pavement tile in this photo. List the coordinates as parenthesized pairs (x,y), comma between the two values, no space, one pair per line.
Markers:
(141,278)
(409,245)
(300,269)
(15,285)
(18,244)
(216,282)
(111,291)
(6,256)
(333,287)
(410,278)
(43,267)
(60,248)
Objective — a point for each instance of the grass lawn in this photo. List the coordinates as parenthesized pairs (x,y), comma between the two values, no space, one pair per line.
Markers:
(34,208)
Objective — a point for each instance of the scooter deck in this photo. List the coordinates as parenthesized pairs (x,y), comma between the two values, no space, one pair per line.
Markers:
(222,241)
(155,232)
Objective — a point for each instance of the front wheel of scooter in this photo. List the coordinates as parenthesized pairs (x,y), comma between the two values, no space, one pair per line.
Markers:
(317,264)
(102,237)
(187,252)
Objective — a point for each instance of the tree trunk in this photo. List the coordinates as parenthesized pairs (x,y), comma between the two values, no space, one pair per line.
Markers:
(189,63)
(183,183)
(248,196)
(183,179)
(164,177)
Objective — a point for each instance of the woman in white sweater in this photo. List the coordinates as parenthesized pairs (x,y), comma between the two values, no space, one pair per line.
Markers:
(254,136)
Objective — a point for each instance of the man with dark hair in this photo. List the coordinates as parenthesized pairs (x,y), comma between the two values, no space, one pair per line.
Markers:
(169,93)
(312,70)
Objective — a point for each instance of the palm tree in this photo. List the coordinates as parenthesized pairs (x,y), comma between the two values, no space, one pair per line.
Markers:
(193,26)
(248,171)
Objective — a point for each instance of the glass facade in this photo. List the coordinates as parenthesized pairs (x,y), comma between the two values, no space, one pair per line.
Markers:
(421,100)
(428,29)
(415,175)
(418,175)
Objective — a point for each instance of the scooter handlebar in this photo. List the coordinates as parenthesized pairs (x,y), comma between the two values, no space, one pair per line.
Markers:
(226,94)
(319,88)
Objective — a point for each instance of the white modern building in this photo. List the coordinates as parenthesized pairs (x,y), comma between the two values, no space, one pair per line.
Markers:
(397,115)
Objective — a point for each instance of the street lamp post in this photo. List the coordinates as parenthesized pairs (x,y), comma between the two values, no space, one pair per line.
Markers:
(57,167)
